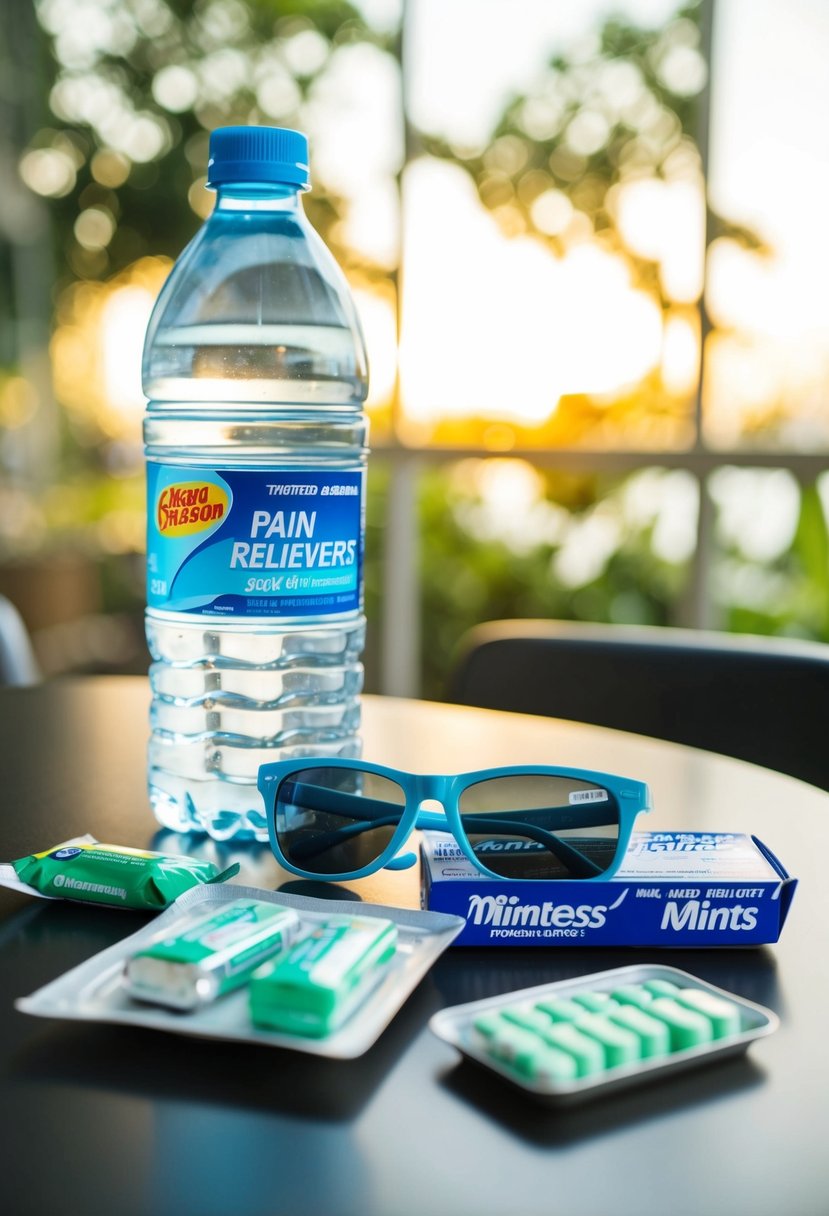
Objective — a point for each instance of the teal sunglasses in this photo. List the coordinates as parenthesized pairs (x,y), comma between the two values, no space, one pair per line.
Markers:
(341,819)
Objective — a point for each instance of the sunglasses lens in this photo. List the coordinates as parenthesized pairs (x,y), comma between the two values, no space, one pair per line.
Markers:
(535,825)
(336,820)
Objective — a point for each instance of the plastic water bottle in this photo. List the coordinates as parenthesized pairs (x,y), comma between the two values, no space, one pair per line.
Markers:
(255,438)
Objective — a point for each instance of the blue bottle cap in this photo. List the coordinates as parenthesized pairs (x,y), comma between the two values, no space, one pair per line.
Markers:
(258,154)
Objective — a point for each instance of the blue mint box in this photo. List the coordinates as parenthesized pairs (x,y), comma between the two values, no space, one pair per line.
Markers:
(674,889)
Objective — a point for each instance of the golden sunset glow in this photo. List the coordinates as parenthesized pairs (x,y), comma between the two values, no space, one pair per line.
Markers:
(97,344)
(500,329)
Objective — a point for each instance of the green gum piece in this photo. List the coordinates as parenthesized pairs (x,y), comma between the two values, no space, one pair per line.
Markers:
(661,987)
(621,1046)
(519,1049)
(653,1034)
(589,1055)
(723,1015)
(686,1027)
(486,1024)
(555,1065)
(632,994)
(323,977)
(561,1010)
(594,1002)
(528,1019)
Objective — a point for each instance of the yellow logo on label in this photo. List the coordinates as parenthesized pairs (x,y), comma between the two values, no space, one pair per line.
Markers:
(192,506)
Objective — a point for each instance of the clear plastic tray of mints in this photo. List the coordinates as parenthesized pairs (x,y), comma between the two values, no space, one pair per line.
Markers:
(577,1039)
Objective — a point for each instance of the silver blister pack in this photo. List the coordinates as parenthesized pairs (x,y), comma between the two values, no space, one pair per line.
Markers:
(95,991)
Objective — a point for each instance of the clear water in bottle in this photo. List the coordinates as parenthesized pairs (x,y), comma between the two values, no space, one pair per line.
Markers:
(255,438)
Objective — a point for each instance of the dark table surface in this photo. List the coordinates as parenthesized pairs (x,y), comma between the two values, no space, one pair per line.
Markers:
(99,1118)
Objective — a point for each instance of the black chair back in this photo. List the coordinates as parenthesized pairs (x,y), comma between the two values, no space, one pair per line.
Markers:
(764,700)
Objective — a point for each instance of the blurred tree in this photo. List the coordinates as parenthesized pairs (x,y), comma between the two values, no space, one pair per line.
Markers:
(607,147)
(622,106)
(136,87)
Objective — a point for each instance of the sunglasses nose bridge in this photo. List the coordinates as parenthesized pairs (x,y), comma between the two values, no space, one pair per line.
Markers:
(430,803)
(429,789)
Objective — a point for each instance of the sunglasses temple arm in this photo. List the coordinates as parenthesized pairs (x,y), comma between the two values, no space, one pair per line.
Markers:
(329,840)
(341,802)
(559,848)
(577,862)
(587,816)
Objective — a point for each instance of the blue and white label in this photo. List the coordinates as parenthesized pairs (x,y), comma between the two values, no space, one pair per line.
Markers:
(254,542)
(732,893)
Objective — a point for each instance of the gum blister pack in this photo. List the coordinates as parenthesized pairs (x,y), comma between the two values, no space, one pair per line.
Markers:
(101,990)
(577,1039)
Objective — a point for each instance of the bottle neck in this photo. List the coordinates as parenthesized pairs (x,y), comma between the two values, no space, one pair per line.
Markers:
(257,196)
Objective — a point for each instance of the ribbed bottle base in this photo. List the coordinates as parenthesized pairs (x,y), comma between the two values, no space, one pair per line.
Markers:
(207,800)
(229,698)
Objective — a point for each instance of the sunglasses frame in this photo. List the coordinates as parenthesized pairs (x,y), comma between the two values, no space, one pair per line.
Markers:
(631,797)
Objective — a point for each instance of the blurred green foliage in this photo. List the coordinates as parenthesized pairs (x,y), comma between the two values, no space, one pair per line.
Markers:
(467,578)
(143,174)
(789,595)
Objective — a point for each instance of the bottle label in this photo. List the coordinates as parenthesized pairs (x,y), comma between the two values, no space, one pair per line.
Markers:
(254,542)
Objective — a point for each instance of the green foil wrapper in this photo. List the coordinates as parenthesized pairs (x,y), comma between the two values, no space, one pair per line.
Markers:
(87,871)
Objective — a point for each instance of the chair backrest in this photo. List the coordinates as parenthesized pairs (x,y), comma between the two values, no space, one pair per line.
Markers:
(764,700)
(18,664)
